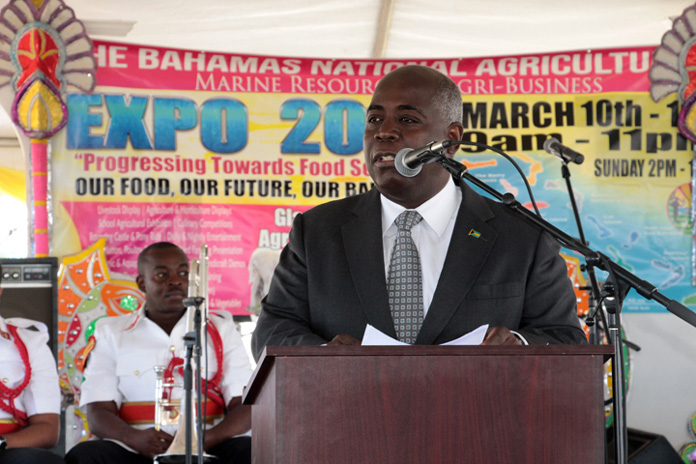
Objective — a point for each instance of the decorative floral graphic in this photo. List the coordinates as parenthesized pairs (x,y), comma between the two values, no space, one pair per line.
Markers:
(43,49)
(86,293)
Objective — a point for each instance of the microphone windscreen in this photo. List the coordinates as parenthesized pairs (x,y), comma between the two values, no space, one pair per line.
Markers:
(547,144)
(401,166)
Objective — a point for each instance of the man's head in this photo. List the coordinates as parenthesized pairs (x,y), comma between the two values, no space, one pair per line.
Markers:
(411,107)
(163,270)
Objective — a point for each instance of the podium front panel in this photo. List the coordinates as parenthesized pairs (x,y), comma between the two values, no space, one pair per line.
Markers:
(429,404)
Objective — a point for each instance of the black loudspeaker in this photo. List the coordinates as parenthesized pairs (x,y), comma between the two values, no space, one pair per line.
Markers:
(30,290)
(647,448)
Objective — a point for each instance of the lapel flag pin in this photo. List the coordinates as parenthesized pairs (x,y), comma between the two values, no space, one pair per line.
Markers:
(475,233)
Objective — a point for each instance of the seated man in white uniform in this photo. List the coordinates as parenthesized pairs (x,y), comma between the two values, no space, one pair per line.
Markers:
(119,386)
(29,393)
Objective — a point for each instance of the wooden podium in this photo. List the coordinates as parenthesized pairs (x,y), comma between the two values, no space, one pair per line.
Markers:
(428,404)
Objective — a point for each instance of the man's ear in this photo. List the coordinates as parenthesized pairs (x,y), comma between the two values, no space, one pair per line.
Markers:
(455,131)
(140,281)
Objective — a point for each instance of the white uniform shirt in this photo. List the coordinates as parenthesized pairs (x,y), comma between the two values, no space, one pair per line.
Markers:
(120,368)
(42,394)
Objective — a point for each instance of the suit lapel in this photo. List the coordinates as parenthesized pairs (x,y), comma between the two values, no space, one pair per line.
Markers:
(362,236)
(471,242)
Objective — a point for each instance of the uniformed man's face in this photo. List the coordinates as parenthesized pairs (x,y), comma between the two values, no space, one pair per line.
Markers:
(402,114)
(164,279)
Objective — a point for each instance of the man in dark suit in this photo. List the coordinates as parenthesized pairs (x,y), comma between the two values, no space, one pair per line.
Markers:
(481,264)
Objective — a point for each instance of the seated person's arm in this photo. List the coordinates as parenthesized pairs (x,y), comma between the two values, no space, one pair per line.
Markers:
(105,423)
(237,421)
(99,399)
(235,373)
(42,432)
(41,398)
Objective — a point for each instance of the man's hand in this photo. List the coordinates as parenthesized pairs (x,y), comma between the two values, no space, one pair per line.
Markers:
(344,339)
(500,336)
(105,423)
(149,442)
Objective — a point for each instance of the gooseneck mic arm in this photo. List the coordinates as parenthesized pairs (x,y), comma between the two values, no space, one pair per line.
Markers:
(619,279)
(409,162)
(645,289)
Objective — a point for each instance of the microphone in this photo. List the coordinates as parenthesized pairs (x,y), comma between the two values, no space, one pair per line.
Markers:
(409,162)
(560,151)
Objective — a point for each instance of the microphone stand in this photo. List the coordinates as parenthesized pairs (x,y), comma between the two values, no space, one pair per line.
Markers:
(189,340)
(619,280)
(192,340)
(612,331)
(594,286)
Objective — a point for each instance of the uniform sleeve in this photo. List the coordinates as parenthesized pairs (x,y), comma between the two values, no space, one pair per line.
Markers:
(42,395)
(101,382)
(236,366)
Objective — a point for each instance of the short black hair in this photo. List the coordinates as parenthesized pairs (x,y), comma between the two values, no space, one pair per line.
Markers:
(154,246)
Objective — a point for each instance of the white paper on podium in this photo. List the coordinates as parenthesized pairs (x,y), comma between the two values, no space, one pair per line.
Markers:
(374,337)
(475,337)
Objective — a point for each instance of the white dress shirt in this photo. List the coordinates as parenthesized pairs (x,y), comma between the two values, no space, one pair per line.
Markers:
(432,235)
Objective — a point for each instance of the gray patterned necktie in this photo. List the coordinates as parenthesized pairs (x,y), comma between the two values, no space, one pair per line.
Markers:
(405,282)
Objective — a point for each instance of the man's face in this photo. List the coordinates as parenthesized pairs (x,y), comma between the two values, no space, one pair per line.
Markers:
(164,280)
(402,115)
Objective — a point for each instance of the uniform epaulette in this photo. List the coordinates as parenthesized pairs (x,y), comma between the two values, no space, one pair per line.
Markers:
(23,323)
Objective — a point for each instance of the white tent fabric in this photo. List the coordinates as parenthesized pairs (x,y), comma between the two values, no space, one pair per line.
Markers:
(376,28)
(423,29)
(418,28)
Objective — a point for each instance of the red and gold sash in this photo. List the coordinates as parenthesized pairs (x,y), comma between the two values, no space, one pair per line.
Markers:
(143,412)
(211,387)
(9,426)
(8,395)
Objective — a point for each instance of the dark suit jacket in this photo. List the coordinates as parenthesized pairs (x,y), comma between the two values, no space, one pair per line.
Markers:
(331,280)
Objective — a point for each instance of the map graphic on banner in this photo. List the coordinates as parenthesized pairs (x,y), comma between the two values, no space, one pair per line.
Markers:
(203,147)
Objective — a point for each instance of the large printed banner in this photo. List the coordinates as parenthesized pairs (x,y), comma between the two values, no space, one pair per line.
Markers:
(202,147)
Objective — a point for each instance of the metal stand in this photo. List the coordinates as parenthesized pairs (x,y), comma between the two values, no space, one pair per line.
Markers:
(593,290)
(613,306)
(621,281)
(610,303)
(192,341)
(189,341)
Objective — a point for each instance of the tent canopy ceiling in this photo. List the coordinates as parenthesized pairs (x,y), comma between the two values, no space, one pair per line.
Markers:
(376,28)
(418,28)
